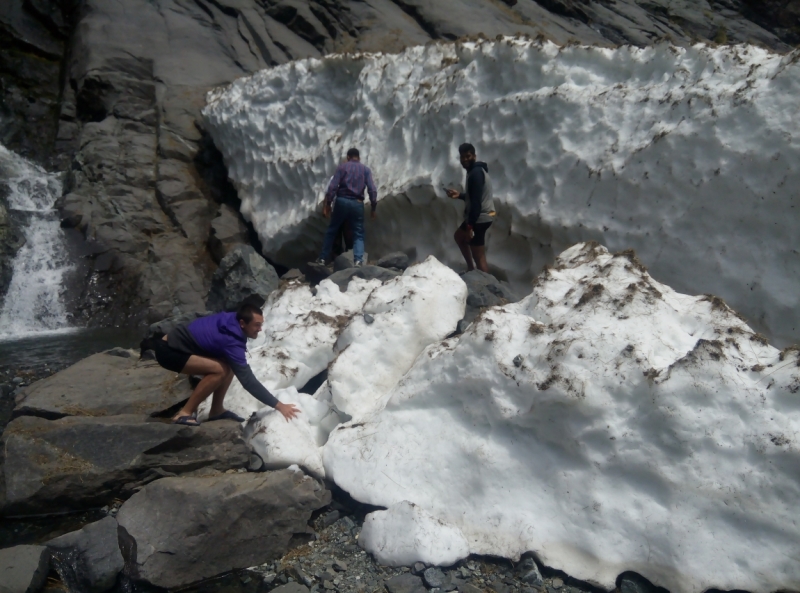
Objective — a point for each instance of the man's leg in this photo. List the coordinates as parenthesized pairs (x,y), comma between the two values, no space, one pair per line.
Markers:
(217,406)
(337,217)
(462,240)
(214,375)
(479,253)
(356,219)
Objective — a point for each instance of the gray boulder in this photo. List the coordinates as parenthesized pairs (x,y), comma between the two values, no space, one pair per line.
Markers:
(405,583)
(228,231)
(241,273)
(484,290)
(79,462)
(167,325)
(398,260)
(342,278)
(23,569)
(104,385)
(346,260)
(88,560)
(170,532)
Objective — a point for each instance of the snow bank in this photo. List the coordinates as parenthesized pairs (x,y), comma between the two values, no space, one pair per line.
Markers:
(607,423)
(688,155)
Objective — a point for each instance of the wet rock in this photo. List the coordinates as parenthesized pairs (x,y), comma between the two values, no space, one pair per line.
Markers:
(105,384)
(89,559)
(241,273)
(342,279)
(346,260)
(79,462)
(228,231)
(398,260)
(23,569)
(433,577)
(529,573)
(406,583)
(170,531)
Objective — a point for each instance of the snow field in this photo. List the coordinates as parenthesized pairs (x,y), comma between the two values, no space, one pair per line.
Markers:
(687,155)
(605,422)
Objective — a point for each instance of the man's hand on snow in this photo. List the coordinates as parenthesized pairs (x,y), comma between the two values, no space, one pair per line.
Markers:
(289,411)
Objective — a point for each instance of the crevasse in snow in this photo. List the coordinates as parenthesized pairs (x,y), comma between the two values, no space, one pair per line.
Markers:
(688,155)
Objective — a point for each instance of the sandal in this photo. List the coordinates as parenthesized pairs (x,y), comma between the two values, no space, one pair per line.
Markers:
(186,421)
(226,415)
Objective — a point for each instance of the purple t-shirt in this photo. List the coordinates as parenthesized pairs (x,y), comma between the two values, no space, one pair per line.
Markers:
(350,179)
(221,337)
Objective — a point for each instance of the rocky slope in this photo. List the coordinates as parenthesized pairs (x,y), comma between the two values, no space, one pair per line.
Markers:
(111,93)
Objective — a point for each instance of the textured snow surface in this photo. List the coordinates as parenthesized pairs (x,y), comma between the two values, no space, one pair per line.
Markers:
(607,423)
(689,156)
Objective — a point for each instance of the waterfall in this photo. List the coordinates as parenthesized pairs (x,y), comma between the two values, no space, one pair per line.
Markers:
(34,301)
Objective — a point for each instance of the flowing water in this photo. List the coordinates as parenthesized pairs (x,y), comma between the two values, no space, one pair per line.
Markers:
(34,302)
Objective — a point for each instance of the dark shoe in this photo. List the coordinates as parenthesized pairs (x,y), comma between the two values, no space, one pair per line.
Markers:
(226,415)
(358,264)
(186,421)
(320,261)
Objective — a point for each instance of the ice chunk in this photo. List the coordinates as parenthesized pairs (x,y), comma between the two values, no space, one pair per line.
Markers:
(405,534)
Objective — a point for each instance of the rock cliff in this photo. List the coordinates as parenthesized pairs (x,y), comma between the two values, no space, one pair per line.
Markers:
(110,92)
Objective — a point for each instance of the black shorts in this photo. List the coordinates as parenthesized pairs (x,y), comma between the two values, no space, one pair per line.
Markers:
(170,358)
(479,230)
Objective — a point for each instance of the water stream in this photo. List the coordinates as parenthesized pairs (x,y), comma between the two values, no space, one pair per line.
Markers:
(34,302)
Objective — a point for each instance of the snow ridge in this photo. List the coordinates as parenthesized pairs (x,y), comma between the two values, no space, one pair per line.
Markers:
(687,155)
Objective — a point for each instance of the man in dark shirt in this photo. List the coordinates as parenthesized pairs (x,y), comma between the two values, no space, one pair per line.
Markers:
(478,209)
(347,188)
(215,347)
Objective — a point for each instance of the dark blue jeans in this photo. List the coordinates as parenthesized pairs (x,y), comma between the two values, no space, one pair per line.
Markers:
(353,212)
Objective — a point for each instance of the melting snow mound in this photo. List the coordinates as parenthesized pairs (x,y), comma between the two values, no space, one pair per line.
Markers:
(607,423)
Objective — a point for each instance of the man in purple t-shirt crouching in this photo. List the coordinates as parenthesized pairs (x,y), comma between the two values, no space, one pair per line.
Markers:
(215,347)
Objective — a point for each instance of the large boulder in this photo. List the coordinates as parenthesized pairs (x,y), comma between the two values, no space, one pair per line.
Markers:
(241,273)
(105,384)
(77,462)
(484,290)
(346,260)
(88,559)
(171,531)
(396,259)
(23,569)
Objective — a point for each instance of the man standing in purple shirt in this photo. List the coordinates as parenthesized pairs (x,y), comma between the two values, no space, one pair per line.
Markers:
(215,347)
(347,188)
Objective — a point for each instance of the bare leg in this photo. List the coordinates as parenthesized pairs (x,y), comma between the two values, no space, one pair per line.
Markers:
(462,240)
(219,395)
(479,253)
(214,374)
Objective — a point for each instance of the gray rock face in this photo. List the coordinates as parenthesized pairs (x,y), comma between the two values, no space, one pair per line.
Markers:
(167,325)
(180,530)
(241,273)
(405,583)
(342,279)
(23,569)
(398,260)
(104,385)
(228,231)
(484,291)
(89,559)
(79,462)
(346,260)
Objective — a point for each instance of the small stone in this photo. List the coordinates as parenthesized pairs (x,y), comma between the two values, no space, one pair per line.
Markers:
(433,577)
(269,578)
(17,380)
(467,588)
(368,319)
(518,360)
(405,583)
(465,572)
(328,585)
(418,568)
(293,274)
(557,583)
(330,518)
(347,523)
(339,565)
